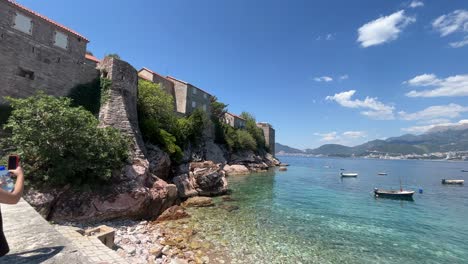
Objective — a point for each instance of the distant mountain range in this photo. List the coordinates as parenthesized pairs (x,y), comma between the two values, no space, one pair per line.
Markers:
(438,139)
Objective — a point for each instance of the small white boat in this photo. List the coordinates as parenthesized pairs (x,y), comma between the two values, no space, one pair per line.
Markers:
(348,174)
(382,173)
(444,181)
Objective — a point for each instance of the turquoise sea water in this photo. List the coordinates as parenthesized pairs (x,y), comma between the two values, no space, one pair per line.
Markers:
(309,214)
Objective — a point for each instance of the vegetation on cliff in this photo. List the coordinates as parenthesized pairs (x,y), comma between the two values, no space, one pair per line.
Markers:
(250,138)
(161,125)
(61,144)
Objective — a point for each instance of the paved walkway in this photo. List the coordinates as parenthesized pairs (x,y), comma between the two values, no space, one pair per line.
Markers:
(33,240)
(90,246)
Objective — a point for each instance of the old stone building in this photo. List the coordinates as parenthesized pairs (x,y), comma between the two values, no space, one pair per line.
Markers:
(189,97)
(269,133)
(234,120)
(149,75)
(37,53)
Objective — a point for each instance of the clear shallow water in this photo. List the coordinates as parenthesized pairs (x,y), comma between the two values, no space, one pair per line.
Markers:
(308,214)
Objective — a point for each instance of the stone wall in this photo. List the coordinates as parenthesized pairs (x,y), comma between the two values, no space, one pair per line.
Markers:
(269,133)
(120,110)
(31,62)
(234,120)
(187,94)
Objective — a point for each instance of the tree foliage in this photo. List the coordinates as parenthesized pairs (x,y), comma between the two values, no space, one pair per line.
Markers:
(60,144)
(256,132)
(113,55)
(160,124)
(250,138)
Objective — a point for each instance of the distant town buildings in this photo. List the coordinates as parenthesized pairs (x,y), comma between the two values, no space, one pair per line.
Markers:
(37,53)
(234,120)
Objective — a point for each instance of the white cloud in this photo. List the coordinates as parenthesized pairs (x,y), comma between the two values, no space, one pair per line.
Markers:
(459,44)
(416,3)
(344,77)
(423,129)
(456,85)
(355,134)
(436,111)
(383,29)
(452,22)
(332,136)
(373,108)
(423,80)
(323,79)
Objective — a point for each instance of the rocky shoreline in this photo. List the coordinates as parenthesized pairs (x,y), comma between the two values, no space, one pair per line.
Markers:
(172,238)
(148,203)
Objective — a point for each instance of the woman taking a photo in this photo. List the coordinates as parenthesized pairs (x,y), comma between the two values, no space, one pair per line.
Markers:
(10,198)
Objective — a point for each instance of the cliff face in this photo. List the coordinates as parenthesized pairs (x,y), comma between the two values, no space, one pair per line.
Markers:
(150,183)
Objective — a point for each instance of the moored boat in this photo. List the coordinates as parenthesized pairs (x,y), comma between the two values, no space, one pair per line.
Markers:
(382,173)
(464,170)
(444,181)
(394,194)
(348,174)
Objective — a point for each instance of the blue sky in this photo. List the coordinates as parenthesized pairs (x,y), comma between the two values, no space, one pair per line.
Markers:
(306,67)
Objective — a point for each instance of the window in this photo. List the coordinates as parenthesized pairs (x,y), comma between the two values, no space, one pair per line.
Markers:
(23,23)
(25,73)
(204,107)
(194,90)
(194,104)
(205,96)
(61,40)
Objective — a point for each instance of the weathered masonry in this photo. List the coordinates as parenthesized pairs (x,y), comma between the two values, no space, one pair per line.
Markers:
(269,133)
(37,53)
(149,75)
(189,97)
(234,120)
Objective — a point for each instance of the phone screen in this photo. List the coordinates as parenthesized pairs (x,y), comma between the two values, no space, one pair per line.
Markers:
(13,162)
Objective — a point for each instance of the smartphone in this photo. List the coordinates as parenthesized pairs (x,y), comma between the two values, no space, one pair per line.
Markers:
(13,162)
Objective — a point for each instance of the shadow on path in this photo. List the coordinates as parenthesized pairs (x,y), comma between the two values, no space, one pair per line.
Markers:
(33,256)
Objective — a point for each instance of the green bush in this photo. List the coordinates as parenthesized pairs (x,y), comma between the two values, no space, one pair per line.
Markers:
(245,140)
(256,132)
(161,126)
(60,144)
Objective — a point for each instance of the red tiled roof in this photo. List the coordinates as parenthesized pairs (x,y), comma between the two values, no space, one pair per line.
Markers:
(170,77)
(27,10)
(91,58)
(155,73)
(234,115)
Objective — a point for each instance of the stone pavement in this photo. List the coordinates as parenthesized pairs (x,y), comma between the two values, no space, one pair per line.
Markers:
(33,240)
(90,246)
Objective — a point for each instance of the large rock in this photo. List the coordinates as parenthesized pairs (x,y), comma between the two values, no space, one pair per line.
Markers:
(243,157)
(185,185)
(41,201)
(199,201)
(209,178)
(214,153)
(130,200)
(159,162)
(175,212)
(236,170)
(270,160)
